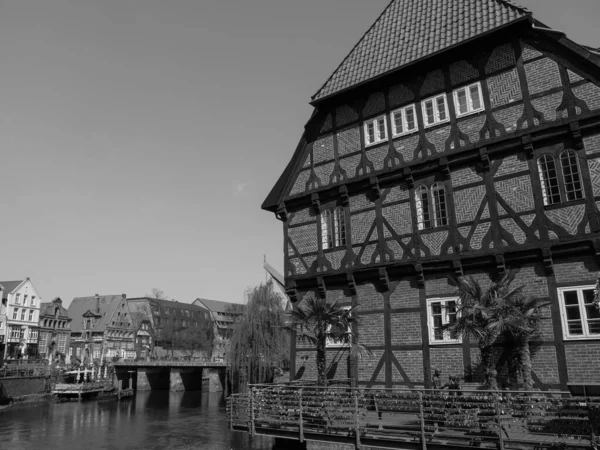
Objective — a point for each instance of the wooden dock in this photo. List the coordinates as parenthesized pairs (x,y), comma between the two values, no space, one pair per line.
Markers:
(79,391)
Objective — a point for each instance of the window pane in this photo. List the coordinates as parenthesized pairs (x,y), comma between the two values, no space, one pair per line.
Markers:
(475,99)
(571,298)
(573,189)
(381,128)
(422,205)
(441,107)
(370,133)
(573,313)
(439,205)
(549,180)
(340,227)
(461,97)
(410,118)
(398,127)
(429,114)
(326,230)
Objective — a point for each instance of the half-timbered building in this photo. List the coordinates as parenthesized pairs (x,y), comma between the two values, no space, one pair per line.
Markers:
(456,138)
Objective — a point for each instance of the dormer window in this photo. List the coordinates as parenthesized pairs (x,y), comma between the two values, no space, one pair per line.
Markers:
(375,131)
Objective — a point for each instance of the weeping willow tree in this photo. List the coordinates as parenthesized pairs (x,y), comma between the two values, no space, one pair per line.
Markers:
(260,340)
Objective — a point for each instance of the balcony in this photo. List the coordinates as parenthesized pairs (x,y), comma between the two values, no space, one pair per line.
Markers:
(410,419)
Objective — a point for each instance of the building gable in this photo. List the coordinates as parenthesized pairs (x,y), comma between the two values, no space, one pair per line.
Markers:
(408,31)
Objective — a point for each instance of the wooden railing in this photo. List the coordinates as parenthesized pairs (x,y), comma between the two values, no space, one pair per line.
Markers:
(418,419)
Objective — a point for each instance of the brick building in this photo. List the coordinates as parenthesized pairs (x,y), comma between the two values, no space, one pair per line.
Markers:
(101,328)
(223,315)
(54,329)
(456,138)
(163,318)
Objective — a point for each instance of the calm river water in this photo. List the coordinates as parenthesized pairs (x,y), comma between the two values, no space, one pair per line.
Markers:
(151,420)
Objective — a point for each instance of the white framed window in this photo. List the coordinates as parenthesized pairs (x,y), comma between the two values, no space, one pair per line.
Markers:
(17,298)
(580,315)
(375,130)
(24,299)
(43,343)
(435,110)
(326,235)
(404,121)
(431,206)
(31,315)
(33,300)
(15,313)
(468,99)
(332,341)
(33,335)
(442,312)
(339,227)
(557,188)
(62,342)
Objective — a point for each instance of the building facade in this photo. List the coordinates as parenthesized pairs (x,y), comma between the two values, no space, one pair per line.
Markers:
(101,329)
(466,143)
(22,319)
(166,320)
(223,315)
(3,328)
(54,330)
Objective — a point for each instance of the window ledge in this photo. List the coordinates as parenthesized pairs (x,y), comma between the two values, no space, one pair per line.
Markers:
(453,342)
(582,338)
(470,113)
(436,124)
(373,144)
(581,201)
(406,133)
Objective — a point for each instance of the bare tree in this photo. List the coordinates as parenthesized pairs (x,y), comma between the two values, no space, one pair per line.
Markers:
(158,293)
(196,340)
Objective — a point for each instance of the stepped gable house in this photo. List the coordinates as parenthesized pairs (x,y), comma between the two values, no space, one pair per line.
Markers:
(54,329)
(457,138)
(102,328)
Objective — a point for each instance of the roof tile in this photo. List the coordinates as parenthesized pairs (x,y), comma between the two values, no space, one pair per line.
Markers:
(409,30)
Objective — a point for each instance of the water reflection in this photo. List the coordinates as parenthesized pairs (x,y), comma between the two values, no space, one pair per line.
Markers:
(151,420)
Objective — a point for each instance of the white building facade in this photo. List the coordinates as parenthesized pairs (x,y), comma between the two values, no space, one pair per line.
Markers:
(22,319)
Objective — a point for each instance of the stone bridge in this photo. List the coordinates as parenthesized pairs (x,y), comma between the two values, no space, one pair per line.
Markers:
(170,375)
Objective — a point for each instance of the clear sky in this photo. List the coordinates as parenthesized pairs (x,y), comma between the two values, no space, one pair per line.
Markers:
(139,137)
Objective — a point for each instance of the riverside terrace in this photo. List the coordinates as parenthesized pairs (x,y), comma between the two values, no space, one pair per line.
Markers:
(411,419)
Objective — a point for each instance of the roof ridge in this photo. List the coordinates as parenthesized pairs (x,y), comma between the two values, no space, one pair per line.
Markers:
(408,31)
(512,4)
(354,47)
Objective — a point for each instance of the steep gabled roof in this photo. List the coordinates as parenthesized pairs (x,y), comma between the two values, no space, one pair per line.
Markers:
(411,30)
(80,305)
(10,286)
(217,306)
(49,309)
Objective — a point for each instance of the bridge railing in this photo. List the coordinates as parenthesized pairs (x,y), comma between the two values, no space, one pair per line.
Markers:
(169,363)
(492,419)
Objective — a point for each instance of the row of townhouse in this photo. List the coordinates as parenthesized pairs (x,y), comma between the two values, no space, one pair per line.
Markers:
(96,327)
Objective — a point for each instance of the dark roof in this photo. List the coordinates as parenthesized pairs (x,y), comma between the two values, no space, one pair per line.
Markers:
(80,305)
(10,286)
(167,303)
(220,307)
(410,30)
(48,308)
